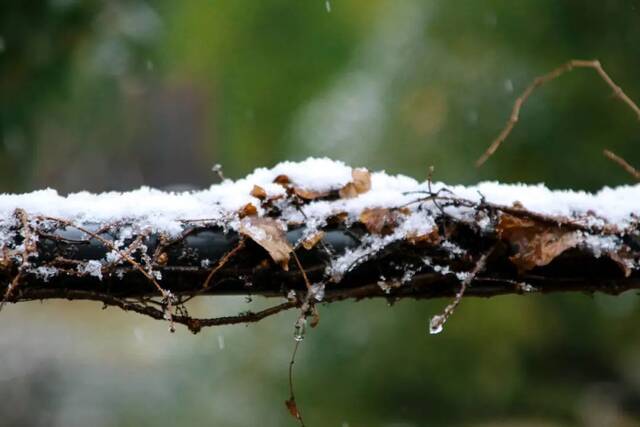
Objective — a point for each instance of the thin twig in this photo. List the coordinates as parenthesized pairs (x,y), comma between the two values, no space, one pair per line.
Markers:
(291,402)
(223,261)
(304,274)
(166,295)
(541,80)
(623,163)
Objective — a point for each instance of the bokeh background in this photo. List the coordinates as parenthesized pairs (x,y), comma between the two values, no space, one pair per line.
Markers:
(113,95)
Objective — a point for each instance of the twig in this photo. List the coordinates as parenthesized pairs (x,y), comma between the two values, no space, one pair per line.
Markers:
(223,261)
(623,163)
(291,402)
(166,295)
(541,80)
(304,274)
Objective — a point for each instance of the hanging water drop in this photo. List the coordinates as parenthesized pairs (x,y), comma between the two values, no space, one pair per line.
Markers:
(299,329)
(436,325)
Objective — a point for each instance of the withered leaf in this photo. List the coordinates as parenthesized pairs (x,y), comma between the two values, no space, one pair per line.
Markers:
(622,260)
(247,210)
(379,220)
(309,194)
(258,192)
(282,180)
(361,183)
(163,258)
(537,244)
(430,238)
(338,218)
(311,241)
(361,180)
(269,234)
(293,408)
(315,318)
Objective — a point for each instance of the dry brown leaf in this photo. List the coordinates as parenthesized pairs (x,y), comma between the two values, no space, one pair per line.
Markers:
(258,192)
(361,180)
(282,180)
(537,244)
(379,220)
(315,317)
(311,241)
(269,234)
(309,194)
(430,238)
(621,258)
(247,210)
(163,258)
(361,184)
(293,408)
(338,218)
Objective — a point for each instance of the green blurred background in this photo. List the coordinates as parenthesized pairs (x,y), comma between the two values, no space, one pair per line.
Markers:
(113,95)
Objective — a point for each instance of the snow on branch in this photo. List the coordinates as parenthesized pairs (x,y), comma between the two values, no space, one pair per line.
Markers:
(315,231)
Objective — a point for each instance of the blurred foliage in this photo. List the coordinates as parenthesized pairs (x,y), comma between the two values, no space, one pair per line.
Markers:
(113,95)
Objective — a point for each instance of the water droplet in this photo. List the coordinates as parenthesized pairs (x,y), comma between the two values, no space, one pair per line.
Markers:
(299,329)
(436,325)
(221,342)
(2,44)
(150,65)
(386,287)
(327,4)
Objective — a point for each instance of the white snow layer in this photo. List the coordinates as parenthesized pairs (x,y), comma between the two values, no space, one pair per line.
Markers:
(164,211)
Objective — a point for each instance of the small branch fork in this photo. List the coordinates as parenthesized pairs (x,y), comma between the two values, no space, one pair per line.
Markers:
(541,80)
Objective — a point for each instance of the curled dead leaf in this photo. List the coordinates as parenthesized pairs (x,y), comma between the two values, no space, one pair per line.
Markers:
(315,317)
(163,258)
(536,244)
(338,218)
(622,260)
(430,238)
(282,180)
(269,234)
(312,240)
(293,408)
(309,194)
(248,210)
(361,180)
(379,220)
(361,183)
(258,192)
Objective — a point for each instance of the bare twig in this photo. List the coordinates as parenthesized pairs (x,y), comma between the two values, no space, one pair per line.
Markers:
(541,80)
(623,163)
(291,402)
(166,295)
(304,274)
(223,261)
